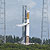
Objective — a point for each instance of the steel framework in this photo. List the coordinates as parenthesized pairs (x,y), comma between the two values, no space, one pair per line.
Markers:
(3,20)
(45,24)
(24,20)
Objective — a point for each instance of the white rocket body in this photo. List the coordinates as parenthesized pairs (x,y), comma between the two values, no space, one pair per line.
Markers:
(27,29)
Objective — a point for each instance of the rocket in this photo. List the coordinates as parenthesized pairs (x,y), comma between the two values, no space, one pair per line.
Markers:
(27,28)
(25,24)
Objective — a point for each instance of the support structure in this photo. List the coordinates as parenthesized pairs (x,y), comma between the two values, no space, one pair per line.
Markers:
(3,20)
(45,24)
(25,25)
(24,20)
(25,29)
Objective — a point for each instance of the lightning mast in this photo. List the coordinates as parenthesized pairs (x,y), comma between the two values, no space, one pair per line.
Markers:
(3,19)
(45,24)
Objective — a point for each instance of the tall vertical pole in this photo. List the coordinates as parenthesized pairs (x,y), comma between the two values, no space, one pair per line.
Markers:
(48,26)
(45,24)
(23,28)
(24,20)
(42,24)
(4,24)
(3,19)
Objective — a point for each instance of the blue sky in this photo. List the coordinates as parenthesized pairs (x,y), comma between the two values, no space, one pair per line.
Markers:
(14,16)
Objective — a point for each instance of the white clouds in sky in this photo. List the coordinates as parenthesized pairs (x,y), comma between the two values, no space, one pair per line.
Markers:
(31,4)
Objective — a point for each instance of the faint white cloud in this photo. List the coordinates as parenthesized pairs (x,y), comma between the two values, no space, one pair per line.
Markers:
(31,4)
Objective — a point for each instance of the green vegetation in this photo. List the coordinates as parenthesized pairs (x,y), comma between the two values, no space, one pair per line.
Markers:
(14,39)
(11,46)
(10,39)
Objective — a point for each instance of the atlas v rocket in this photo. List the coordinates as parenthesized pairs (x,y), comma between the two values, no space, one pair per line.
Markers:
(27,28)
(25,25)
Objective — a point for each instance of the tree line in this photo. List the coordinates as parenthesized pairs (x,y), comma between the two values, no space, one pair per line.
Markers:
(12,46)
(14,39)
(10,39)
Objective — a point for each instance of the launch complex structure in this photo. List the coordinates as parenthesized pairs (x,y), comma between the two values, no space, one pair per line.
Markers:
(25,25)
(25,22)
(44,23)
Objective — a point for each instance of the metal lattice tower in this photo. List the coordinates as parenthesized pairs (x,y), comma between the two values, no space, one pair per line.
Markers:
(23,30)
(24,20)
(45,24)
(2,20)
